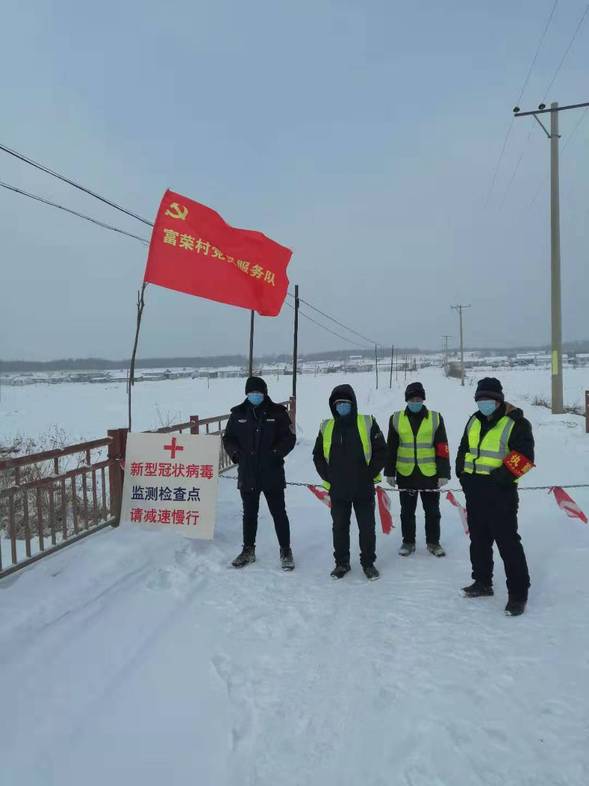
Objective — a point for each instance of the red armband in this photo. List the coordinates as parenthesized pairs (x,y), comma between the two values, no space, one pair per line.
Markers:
(517,463)
(442,450)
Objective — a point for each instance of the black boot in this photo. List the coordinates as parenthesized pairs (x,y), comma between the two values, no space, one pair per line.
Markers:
(478,590)
(247,556)
(340,571)
(286,559)
(515,606)
(371,572)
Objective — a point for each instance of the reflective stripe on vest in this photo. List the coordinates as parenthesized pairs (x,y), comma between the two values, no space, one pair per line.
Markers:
(419,447)
(486,454)
(364,425)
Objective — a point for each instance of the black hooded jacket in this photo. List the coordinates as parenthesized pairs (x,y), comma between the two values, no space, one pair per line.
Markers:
(347,472)
(521,440)
(258,439)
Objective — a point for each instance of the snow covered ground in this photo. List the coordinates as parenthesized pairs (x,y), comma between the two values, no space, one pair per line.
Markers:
(84,411)
(141,658)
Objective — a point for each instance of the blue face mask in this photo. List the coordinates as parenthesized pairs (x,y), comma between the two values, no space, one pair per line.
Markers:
(487,407)
(343,408)
(414,406)
(255,398)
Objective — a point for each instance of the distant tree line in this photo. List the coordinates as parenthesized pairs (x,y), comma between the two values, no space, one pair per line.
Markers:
(216,361)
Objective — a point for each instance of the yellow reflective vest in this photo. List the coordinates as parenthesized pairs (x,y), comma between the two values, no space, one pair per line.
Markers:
(364,425)
(416,448)
(486,454)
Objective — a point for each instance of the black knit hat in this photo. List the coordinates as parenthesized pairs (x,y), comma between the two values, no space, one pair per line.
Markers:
(256,384)
(415,390)
(489,387)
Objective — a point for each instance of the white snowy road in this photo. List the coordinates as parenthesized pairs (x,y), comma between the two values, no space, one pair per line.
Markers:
(141,658)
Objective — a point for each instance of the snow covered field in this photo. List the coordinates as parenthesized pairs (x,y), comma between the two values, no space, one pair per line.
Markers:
(86,411)
(141,658)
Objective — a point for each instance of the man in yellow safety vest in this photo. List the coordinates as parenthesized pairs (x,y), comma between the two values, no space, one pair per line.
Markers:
(418,458)
(497,449)
(349,455)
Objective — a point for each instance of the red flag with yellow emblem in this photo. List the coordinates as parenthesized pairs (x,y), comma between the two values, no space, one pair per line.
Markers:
(194,250)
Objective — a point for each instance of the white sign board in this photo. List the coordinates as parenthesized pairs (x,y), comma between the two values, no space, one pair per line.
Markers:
(171,482)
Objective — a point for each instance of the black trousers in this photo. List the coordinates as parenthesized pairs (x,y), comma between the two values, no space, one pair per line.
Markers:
(341,514)
(431,508)
(277,507)
(492,517)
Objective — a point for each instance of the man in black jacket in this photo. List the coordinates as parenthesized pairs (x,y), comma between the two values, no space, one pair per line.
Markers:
(349,454)
(497,449)
(258,436)
(418,458)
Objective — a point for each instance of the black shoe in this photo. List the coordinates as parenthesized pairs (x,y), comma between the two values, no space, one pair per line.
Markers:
(407,549)
(478,590)
(515,607)
(286,559)
(340,571)
(371,572)
(247,556)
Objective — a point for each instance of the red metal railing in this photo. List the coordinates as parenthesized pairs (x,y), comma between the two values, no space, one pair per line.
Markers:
(51,499)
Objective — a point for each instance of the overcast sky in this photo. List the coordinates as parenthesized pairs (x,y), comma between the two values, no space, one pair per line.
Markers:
(363,134)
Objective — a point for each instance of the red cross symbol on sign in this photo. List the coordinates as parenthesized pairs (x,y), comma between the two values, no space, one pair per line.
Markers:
(173,448)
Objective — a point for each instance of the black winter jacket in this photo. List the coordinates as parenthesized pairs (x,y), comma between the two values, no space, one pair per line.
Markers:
(347,472)
(417,479)
(521,440)
(258,439)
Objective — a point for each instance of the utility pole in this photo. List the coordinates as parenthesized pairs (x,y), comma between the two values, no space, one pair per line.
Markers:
(392,361)
(555,279)
(460,308)
(251,359)
(446,350)
(296,343)
(376,364)
(556,298)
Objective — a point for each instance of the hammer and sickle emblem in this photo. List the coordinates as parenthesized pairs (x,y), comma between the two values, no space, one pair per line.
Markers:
(177,211)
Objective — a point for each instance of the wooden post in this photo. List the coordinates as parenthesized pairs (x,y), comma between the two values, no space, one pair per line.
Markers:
(194,424)
(295,350)
(587,411)
(292,410)
(376,364)
(251,358)
(131,380)
(392,361)
(116,455)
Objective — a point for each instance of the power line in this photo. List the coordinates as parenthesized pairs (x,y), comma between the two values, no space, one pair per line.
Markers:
(499,160)
(578,124)
(567,50)
(570,138)
(16,190)
(337,322)
(553,80)
(521,93)
(80,187)
(324,327)
(540,42)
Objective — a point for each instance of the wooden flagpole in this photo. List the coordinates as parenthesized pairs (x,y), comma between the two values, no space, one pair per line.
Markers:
(131,380)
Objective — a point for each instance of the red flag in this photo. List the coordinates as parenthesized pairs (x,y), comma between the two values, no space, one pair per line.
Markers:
(384,509)
(193,250)
(566,503)
(321,494)
(462,511)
